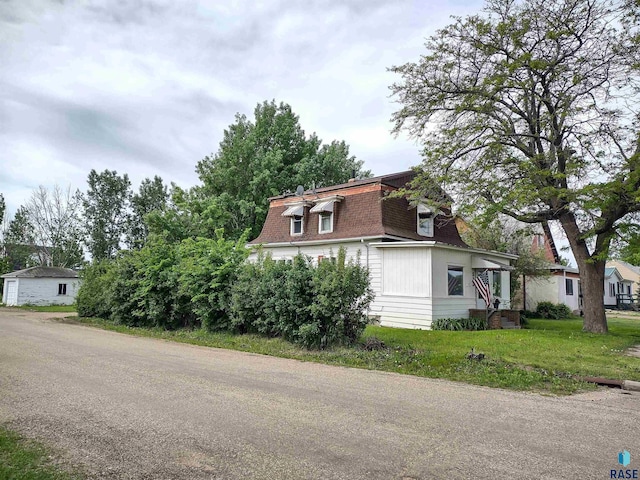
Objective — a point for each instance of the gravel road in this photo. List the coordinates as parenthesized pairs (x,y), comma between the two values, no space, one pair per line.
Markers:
(134,408)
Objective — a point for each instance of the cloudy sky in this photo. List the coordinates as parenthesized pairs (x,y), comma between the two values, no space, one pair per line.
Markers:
(147,87)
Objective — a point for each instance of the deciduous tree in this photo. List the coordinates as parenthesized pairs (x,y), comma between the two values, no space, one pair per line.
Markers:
(50,224)
(528,110)
(105,212)
(151,197)
(262,158)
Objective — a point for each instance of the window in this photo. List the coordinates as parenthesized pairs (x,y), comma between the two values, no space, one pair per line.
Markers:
(325,222)
(497,283)
(425,221)
(454,277)
(296,225)
(296,213)
(62,289)
(612,289)
(324,208)
(568,286)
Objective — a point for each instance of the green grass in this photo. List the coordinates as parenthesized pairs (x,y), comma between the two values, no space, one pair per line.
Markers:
(49,308)
(22,459)
(546,357)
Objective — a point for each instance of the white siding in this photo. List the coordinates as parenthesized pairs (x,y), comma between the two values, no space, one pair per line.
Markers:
(610,299)
(569,300)
(410,283)
(406,272)
(44,291)
(403,312)
(541,289)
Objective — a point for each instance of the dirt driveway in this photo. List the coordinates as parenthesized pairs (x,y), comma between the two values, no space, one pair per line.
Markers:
(127,407)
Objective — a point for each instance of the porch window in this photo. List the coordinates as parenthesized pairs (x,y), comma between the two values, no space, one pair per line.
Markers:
(62,289)
(497,283)
(568,286)
(455,277)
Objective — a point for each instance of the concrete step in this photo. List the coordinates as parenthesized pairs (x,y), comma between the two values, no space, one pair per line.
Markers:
(506,324)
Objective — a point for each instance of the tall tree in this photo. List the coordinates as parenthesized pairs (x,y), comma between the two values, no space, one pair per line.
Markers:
(520,112)
(151,197)
(51,224)
(264,158)
(105,212)
(19,241)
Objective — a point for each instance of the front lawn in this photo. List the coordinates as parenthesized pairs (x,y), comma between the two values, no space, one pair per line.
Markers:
(546,357)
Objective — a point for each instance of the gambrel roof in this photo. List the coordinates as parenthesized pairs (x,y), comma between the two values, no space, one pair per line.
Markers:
(361,210)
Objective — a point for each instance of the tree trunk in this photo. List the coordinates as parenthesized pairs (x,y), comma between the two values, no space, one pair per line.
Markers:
(591,275)
(592,280)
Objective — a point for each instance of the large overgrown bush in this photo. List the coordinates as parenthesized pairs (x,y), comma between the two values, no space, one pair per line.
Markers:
(165,285)
(552,310)
(315,306)
(94,295)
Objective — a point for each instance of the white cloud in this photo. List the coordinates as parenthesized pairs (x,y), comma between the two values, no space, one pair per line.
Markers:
(148,87)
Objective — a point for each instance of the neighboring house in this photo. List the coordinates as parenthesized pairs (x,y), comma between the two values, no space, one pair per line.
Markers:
(561,285)
(40,286)
(615,287)
(629,273)
(420,268)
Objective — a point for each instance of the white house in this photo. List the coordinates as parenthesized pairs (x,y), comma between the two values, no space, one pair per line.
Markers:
(561,285)
(40,286)
(628,272)
(615,285)
(420,268)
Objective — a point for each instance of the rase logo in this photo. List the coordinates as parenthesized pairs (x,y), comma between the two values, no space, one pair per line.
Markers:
(624,459)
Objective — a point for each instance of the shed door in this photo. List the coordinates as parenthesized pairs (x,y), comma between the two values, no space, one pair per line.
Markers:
(12,292)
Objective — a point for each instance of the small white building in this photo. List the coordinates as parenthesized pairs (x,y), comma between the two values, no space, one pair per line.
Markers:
(40,286)
(420,269)
(615,286)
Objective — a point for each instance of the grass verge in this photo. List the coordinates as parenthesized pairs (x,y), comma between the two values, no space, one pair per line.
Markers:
(49,308)
(546,357)
(22,459)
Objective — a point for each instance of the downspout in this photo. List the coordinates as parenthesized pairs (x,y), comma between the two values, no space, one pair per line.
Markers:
(367,247)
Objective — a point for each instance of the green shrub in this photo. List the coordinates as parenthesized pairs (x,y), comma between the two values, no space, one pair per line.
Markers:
(165,285)
(459,324)
(94,297)
(553,311)
(313,306)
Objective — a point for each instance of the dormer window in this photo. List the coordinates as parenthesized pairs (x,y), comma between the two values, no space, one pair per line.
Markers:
(425,221)
(324,208)
(296,213)
(325,222)
(296,225)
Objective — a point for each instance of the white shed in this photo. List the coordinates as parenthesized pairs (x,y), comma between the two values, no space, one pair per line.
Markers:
(40,286)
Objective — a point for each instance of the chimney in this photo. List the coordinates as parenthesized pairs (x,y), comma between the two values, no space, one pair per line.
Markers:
(353,176)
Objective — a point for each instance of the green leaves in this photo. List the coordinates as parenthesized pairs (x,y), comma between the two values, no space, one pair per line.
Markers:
(315,306)
(530,110)
(264,158)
